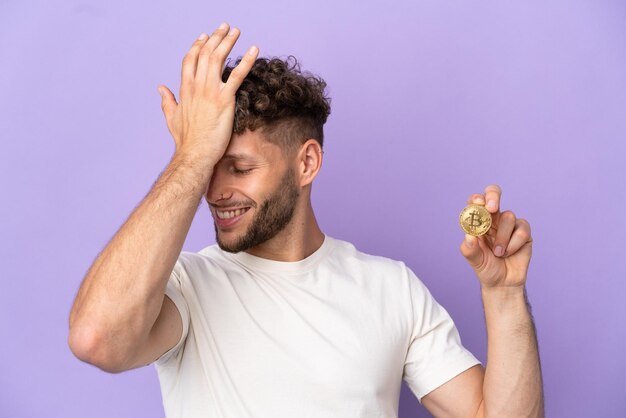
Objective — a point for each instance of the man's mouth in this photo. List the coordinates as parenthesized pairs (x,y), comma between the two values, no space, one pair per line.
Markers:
(228,214)
(229,218)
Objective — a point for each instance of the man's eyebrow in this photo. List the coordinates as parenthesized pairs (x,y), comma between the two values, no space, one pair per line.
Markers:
(238,156)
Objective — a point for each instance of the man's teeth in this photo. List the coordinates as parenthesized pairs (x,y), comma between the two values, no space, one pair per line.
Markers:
(230,214)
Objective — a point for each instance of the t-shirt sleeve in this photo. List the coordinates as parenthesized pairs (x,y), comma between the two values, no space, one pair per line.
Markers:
(435,354)
(173,290)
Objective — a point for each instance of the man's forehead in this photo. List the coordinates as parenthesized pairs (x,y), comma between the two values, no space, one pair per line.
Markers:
(251,146)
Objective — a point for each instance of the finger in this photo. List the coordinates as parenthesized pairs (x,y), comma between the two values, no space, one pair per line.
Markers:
(207,50)
(216,61)
(168,105)
(168,102)
(239,73)
(471,250)
(493,192)
(505,229)
(190,62)
(476,199)
(520,237)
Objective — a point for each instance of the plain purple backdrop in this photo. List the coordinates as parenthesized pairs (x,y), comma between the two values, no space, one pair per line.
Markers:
(431,101)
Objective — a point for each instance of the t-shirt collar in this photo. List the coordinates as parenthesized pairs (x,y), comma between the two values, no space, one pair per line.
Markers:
(254,262)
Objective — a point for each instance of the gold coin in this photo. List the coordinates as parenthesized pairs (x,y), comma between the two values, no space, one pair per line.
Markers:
(475,220)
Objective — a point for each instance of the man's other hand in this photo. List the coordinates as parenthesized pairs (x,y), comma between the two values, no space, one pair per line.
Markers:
(500,258)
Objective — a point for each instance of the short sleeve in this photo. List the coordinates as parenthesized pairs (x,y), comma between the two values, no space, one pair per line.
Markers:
(435,354)
(173,290)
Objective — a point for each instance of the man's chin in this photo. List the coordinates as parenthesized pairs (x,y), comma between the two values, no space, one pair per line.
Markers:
(231,245)
(228,248)
(227,245)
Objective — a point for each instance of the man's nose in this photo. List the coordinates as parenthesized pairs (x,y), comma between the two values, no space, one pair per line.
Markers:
(218,194)
(218,188)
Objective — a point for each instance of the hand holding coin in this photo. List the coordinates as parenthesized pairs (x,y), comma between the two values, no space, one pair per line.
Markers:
(497,244)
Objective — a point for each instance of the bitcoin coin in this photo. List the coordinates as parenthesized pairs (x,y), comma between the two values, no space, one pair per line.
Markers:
(475,220)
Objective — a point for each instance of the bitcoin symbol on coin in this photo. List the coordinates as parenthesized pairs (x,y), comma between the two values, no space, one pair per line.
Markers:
(475,220)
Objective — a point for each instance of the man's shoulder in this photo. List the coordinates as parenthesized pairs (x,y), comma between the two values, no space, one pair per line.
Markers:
(207,258)
(348,250)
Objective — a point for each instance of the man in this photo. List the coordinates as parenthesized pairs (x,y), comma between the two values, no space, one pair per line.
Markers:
(279,319)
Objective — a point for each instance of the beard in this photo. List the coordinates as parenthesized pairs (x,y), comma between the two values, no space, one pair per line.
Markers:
(273,215)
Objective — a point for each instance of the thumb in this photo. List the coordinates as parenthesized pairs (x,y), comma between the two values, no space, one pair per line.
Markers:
(168,101)
(470,248)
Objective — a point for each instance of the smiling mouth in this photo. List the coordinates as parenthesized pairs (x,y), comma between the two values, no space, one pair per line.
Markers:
(230,213)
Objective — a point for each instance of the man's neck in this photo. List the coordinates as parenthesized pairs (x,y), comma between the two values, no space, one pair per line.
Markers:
(301,238)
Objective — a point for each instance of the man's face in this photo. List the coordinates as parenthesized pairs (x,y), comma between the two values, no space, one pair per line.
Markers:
(252,194)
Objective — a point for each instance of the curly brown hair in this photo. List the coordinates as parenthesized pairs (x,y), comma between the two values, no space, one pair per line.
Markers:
(289,106)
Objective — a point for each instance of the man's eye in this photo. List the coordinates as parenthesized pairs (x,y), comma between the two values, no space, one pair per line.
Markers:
(238,171)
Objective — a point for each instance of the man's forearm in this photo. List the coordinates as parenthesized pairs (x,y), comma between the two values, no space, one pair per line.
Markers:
(122,293)
(513,384)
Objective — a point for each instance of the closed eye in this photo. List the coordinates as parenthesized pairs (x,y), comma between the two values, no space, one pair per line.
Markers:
(237,171)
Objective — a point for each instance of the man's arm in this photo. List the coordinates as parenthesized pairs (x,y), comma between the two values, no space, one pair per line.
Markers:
(123,292)
(121,318)
(511,385)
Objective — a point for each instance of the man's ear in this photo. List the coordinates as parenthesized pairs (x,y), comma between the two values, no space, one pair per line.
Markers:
(309,161)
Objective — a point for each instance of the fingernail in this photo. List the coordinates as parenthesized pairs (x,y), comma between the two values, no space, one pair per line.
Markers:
(252,50)
(202,36)
(223,26)
(469,240)
(499,251)
(160,91)
(491,204)
(479,200)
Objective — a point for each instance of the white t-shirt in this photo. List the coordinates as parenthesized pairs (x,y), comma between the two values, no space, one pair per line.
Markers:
(331,335)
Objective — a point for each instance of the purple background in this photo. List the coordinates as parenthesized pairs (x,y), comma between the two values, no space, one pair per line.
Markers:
(431,101)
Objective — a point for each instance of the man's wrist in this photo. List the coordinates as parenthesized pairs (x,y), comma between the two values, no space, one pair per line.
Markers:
(188,173)
(504,299)
(504,292)
(196,156)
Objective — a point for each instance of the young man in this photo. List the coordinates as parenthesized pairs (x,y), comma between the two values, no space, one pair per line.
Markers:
(279,319)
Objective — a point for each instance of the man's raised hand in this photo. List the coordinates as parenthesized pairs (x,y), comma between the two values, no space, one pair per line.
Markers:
(500,258)
(202,120)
